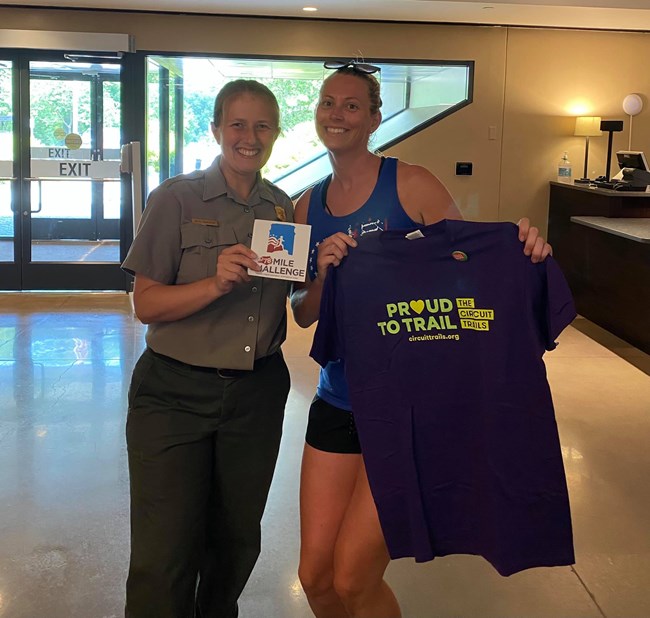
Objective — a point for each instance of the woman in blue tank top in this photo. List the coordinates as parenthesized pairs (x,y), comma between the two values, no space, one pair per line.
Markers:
(343,554)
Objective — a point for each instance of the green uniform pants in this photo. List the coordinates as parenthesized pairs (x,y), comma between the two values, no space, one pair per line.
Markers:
(202,449)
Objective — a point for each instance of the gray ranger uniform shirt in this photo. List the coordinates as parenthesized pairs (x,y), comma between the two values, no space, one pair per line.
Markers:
(188,221)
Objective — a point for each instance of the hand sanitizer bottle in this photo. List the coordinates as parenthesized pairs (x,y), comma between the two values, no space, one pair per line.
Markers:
(564,169)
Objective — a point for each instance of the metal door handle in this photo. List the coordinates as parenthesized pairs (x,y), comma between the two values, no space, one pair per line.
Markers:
(40,200)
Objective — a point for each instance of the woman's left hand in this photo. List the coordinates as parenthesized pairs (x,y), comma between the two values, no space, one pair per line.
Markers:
(535,245)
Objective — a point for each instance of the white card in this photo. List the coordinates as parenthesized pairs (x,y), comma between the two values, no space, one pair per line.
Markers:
(282,249)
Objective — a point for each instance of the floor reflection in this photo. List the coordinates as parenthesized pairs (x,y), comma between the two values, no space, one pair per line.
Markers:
(65,366)
(63,480)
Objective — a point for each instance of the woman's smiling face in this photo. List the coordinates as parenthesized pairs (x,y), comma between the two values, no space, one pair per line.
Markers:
(343,117)
(246,133)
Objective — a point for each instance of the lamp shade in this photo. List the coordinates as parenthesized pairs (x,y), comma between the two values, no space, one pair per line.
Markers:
(588,126)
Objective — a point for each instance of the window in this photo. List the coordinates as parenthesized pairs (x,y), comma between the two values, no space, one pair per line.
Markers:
(181,92)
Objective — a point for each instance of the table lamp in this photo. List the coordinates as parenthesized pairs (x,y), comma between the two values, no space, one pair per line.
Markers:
(587,126)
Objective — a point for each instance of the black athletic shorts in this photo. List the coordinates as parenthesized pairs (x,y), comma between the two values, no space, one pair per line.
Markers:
(331,429)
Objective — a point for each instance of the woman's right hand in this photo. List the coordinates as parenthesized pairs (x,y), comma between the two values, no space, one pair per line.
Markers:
(232,265)
(332,251)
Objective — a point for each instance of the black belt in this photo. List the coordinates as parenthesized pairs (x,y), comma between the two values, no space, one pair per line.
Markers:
(225,373)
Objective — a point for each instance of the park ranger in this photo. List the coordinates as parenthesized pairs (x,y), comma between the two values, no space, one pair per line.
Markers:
(207,396)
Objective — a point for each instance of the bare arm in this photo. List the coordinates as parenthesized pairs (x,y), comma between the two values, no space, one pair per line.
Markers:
(426,199)
(158,302)
(305,297)
(423,196)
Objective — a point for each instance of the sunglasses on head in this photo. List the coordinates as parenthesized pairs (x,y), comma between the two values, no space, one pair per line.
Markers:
(361,67)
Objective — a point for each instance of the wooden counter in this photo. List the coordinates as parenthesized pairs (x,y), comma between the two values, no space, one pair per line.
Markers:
(604,253)
(637,230)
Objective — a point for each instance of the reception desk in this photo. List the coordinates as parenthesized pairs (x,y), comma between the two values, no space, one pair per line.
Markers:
(601,239)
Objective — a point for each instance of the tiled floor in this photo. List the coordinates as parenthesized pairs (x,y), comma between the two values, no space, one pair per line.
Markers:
(65,363)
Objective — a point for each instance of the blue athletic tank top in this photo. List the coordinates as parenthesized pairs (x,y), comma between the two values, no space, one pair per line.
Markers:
(382,211)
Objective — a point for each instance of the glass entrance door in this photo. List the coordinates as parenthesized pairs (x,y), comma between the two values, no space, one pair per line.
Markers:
(62,228)
(9,277)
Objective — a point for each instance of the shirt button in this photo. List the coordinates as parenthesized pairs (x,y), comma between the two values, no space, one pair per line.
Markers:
(247,348)
(250,234)
(247,209)
(251,318)
(208,241)
(254,289)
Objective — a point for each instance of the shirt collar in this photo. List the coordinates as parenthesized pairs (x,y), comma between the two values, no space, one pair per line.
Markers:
(215,185)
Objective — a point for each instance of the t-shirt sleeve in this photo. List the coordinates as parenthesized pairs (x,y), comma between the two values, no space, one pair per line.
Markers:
(156,249)
(559,306)
(328,340)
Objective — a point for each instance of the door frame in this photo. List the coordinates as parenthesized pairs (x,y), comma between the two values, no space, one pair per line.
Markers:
(23,274)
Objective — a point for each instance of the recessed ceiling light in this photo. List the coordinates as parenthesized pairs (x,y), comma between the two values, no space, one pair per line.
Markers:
(309,8)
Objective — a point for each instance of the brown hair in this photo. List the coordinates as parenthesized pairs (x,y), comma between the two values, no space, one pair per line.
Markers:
(371,82)
(241,86)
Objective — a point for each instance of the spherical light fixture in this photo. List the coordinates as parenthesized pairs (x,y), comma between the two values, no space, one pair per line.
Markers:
(632,104)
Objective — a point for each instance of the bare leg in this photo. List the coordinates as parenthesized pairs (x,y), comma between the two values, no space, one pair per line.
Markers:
(326,486)
(361,558)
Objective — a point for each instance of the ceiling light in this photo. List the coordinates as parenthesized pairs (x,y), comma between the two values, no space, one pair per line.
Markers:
(309,8)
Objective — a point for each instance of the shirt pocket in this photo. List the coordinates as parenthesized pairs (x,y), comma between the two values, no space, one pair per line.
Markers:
(200,247)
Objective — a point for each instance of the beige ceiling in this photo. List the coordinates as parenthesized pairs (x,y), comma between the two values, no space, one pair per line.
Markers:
(600,14)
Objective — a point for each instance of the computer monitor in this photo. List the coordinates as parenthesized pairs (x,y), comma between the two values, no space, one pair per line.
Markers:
(634,159)
(635,173)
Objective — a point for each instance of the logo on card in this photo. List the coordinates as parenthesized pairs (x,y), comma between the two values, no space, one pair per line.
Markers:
(281,238)
(281,248)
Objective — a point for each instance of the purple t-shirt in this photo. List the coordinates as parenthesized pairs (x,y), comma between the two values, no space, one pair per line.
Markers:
(443,338)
